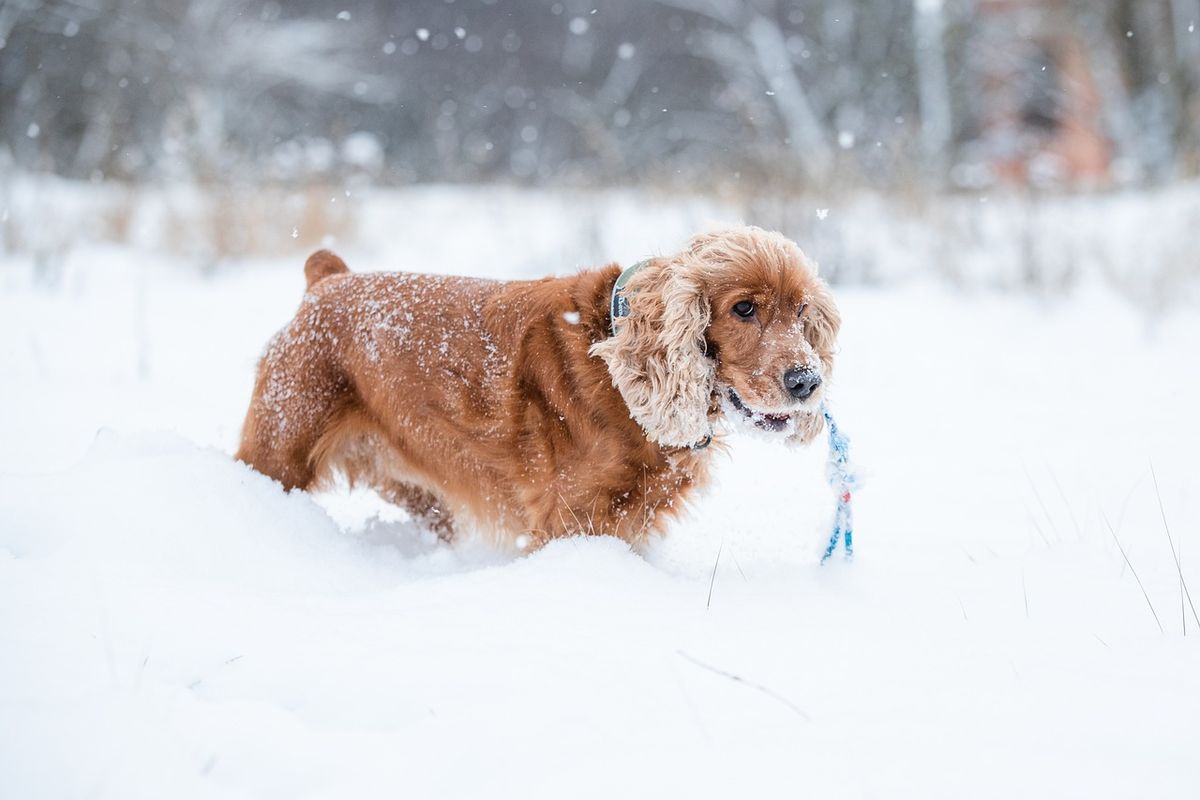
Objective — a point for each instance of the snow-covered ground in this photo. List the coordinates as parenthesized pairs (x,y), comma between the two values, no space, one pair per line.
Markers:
(174,625)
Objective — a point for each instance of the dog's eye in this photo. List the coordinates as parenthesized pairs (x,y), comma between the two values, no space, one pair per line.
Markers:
(744,309)
(803,306)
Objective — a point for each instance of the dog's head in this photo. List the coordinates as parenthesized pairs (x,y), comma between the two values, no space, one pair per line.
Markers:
(739,323)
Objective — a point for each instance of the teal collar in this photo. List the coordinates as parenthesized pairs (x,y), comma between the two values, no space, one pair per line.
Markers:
(619,303)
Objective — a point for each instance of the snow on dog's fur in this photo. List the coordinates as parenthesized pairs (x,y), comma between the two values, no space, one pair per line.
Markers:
(511,404)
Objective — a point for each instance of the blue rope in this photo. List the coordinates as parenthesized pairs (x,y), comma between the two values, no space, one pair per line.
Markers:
(843,481)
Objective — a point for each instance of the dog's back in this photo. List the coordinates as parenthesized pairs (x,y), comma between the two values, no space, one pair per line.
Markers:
(461,397)
(395,350)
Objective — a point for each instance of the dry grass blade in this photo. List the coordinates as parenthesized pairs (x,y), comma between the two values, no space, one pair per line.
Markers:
(1132,570)
(1066,503)
(737,564)
(751,684)
(712,580)
(1033,521)
(1042,504)
(1183,587)
(1025,594)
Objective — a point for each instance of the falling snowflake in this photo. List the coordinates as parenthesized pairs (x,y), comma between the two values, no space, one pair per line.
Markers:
(822,213)
(344,16)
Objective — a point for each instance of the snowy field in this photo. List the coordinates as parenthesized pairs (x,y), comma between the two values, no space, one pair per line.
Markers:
(174,625)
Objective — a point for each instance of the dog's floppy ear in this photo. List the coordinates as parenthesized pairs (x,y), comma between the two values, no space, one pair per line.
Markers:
(657,359)
(825,320)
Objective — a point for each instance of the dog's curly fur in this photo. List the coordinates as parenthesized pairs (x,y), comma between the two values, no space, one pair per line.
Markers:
(510,404)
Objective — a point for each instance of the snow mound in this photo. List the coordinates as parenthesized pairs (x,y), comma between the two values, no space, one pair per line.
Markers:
(173,624)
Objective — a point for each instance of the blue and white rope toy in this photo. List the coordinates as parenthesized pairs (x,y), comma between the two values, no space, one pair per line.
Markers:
(842,479)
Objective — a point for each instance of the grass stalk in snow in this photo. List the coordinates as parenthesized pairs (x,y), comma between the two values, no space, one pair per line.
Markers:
(1183,588)
(1025,594)
(737,565)
(1038,528)
(1134,571)
(712,580)
(1042,504)
(756,686)
(1066,503)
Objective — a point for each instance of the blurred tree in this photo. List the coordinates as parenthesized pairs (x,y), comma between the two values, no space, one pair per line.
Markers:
(688,92)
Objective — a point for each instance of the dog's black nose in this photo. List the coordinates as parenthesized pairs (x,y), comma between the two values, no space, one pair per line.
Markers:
(801,382)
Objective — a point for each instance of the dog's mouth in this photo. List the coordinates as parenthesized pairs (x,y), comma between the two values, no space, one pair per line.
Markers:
(760,419)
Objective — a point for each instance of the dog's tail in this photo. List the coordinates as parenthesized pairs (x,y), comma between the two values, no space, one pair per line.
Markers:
(321,265)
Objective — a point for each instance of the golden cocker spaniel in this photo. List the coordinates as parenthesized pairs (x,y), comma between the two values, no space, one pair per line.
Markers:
(539,409)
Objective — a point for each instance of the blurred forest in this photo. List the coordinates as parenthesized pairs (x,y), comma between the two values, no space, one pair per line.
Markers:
(959,94)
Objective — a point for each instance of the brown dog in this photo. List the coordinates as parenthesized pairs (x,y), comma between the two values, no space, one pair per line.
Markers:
(514,405)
